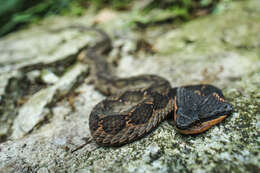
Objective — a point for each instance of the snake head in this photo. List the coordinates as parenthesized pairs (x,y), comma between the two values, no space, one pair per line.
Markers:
(194,113)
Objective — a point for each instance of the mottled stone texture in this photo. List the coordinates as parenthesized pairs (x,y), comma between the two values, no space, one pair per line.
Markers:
(221,49)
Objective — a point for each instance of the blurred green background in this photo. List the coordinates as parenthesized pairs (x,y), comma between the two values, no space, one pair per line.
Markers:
(16,14)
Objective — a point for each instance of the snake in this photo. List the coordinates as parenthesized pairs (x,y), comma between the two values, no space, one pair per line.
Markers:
(136,105)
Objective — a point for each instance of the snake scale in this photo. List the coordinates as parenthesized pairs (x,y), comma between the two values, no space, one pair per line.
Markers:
(138,104)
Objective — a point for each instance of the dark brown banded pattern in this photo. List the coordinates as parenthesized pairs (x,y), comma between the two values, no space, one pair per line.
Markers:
(128,124)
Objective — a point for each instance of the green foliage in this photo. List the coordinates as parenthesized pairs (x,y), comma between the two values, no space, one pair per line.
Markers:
(14,13)
(17,13)
(160,11)
(115,4)
(181,7)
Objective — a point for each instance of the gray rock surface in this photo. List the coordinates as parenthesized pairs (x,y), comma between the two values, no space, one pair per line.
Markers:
(46,129)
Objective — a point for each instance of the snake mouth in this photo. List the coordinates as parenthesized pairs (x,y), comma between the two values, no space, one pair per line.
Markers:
(200,127)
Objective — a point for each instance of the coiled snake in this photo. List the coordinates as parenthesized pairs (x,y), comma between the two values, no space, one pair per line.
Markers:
(136,105)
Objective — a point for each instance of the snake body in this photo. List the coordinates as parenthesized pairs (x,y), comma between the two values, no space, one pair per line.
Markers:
(136,105)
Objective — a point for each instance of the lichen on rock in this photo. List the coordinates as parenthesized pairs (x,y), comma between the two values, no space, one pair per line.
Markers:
(220,49)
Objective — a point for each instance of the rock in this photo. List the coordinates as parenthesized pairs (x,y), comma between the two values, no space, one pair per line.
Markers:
(34,110)
(221,49)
